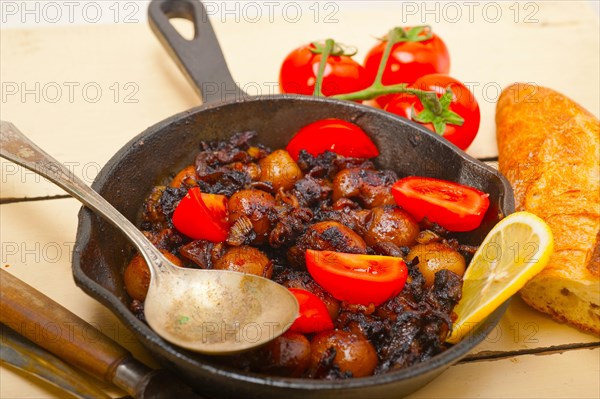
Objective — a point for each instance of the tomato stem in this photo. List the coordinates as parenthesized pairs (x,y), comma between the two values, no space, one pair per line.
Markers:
(380,90)
(325,53)
(398,35)
(394,36)
(435,110)
(338,49)
(384,59)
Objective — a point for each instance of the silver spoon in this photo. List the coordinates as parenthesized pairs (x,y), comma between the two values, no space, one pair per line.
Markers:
(206,311)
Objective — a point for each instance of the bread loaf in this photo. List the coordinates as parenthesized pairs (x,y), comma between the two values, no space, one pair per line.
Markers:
(549,149)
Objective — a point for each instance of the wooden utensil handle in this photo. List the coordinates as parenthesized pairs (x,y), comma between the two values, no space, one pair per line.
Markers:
(56,329)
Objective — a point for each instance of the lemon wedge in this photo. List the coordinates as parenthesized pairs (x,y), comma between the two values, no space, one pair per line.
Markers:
(514,251)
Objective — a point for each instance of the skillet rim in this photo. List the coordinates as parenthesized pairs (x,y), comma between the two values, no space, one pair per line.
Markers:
(436,364)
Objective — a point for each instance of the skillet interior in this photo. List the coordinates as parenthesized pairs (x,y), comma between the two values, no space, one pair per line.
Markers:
(409,149)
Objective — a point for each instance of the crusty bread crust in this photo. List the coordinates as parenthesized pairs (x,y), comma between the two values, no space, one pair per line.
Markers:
(549,149)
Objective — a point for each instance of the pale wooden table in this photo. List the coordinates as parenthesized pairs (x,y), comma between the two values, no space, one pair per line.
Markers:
(83,91)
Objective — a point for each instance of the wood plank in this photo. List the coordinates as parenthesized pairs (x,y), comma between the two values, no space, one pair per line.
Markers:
(575,375)
(85,129)
(37,242)
(37,237)
(37,245)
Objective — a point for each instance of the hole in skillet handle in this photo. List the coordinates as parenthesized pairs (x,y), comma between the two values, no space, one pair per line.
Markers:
(181,16)
(200,58)
(184,27)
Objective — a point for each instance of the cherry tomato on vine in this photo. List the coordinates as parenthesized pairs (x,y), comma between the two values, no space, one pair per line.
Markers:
(335,135)
(202,216)
(421,53)
(357,278)
(453,206)
(313,315)
(463,103)
(298,73)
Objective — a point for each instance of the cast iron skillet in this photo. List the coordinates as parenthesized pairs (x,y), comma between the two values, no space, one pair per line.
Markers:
(156,154)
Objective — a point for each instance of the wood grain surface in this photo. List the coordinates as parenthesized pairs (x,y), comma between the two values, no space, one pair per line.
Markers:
(82,91)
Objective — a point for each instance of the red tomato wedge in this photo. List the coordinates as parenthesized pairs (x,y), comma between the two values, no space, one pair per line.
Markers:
(313,316)
(454,206)
(202,216)
(336,135)
(356,278)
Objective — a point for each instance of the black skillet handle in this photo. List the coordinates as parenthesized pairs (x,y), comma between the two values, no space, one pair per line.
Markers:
(200,59)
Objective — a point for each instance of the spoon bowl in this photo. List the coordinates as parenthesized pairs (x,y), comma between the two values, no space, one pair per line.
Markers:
(231,311)
(206,311)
